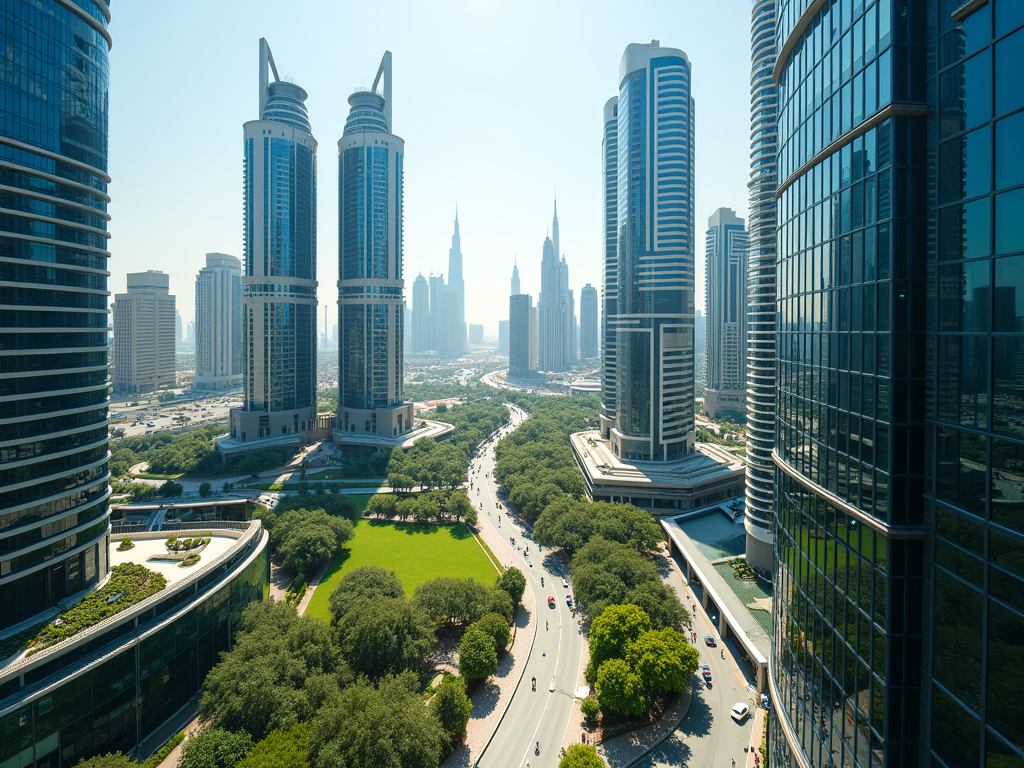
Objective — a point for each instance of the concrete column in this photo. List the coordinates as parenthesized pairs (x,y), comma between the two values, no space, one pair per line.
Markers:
(723,627)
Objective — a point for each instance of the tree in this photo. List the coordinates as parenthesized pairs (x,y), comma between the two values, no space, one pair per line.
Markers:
(366,582)
(170,488)
(611,632)
(306,539)
(382,505)
(385,635)
(110,760)
(477,657)
(449,599)
(513,582)
(461,508)
(589,708)
(452,707)
(205,489)
(283,748)
(570,523)
(661,603)
(282,668)
(215,748)
(387,727)
(581,756)
(662,660)
(603,573)
(619,690)
(497,628)
(226,488)
(500,603)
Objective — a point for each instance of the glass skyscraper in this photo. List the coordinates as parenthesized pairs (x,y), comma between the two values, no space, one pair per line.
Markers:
(652,317)
(899,624)
(764,112)
(279,281)
(53,303)
(370,200)
(610,265)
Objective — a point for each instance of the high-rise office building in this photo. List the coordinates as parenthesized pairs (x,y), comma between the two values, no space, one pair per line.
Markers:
(279,283)
(653,312)
(456,285)
(764,108)
(726,293)
(144,334)
(534,340)
(588,323)
(520,311)
(898,619)
(503,337)
(370,185)
(420,314)
(515,280)
(436,283)
(190,335)
(179,332)
(573,341)
(53,285)
(219,332)
(476,334)
(609,260)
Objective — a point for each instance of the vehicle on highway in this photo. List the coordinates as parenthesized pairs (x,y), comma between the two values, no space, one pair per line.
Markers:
(705,671)
(151,424)
(565,583)
(739,712)
(568,600)
(709,640)
(551,601)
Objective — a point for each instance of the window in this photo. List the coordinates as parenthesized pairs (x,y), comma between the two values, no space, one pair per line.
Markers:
(1009,152)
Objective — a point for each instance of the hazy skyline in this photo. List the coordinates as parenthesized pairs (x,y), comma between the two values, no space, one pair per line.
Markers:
(499,104)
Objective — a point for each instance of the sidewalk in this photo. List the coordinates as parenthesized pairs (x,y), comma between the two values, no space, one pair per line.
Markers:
(627,749)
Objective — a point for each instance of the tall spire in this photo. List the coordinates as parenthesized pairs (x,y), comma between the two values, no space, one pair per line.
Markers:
(554,231)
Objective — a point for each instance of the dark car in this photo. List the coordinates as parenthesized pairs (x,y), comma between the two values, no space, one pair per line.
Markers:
(710,640)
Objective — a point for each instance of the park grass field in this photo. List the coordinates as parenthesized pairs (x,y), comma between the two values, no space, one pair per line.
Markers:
(416,553)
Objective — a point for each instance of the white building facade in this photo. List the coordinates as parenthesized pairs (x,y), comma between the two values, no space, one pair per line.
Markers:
(219,323)
(144,335)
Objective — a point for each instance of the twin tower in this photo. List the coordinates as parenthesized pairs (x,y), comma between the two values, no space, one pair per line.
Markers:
(279,282)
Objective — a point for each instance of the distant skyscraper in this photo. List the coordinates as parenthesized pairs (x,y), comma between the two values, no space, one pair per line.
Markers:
(503,337)
(436,283)
(726,287)
(534,340)
(219,332)
(420,314)
(515,280)
(190,335)
(553,311)
(653,316)
(519,311)
(571,312)
(449,330)
(761,308)
(457,286)
(610,262)
(279,281)
(476,334)
(700,332)
(54,480)
(588,323)
(144,334)
(370,186)
(179,333)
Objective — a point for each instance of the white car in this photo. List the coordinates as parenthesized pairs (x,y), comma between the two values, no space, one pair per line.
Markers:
(739,712)
(565,583)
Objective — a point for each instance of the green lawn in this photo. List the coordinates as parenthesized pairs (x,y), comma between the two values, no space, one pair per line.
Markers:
(416,553)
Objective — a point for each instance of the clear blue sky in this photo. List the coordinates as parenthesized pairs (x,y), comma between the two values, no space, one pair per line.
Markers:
(499,103)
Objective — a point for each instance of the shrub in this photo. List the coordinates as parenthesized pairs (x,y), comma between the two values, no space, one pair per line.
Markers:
(590,708)
(111,760)
(189,561)
(126,544)
(161,754)
(215,748)
(283,748)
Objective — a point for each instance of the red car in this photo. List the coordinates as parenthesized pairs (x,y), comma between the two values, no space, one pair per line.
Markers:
(551,601)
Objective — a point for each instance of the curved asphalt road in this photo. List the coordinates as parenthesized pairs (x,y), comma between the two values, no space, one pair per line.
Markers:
(541,715)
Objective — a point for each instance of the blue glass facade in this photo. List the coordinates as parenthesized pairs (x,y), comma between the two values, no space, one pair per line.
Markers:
(897,614)
(653,314)
(53,303)
(370,306)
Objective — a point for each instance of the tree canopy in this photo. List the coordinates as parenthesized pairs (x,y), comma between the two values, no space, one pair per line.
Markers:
(581,756)
(477,657)
(367,582)
(283,667)
(452,600)
(109,760)
(215,748)
(495,626)
(619,690)
(384,727)
(306,539)
(283,748)
(611,632)
(451,707)
(513,583)
(570,523)
(385,635)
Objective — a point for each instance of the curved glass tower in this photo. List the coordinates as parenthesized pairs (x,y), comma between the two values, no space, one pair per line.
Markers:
(610,263)
(764,110)
(653,317)
(53,303)
(279,281)
(370,285)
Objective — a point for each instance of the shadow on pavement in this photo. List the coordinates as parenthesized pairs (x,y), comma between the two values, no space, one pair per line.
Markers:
(485,699)
(699,718)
